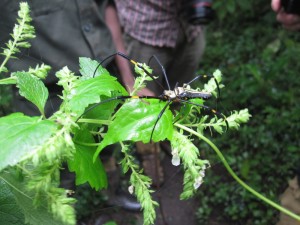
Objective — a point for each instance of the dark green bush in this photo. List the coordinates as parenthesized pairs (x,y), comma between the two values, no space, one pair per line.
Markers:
(260,64)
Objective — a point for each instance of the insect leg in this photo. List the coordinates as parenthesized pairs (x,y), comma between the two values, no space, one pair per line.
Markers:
(131,61)
(113,55)
(162,69)
(179,117)
(116,98)
(104,101)
(159,116)
(211,110)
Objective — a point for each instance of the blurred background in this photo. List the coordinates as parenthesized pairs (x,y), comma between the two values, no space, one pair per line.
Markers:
(259,62)
(260,65)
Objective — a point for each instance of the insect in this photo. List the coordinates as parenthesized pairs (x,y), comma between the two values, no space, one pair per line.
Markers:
(182,95)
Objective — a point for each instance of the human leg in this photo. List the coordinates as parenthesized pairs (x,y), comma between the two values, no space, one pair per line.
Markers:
(142,53)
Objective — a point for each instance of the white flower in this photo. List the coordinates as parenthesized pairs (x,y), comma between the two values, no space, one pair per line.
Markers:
(175,158)
(198,182)
(199,179)
(131,189)
(202,173)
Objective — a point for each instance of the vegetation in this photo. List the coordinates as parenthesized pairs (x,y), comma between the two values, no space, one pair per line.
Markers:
(259,60)
(34,148)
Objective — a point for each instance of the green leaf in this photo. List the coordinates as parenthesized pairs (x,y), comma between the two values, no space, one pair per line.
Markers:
(33,89)
(110,223)
(9,80)
(82,164)
(86,170)
(10,212)
(89,91)
(24,200)
(88,67)
(20,136)
(231,6)
(135,120)
(103,111)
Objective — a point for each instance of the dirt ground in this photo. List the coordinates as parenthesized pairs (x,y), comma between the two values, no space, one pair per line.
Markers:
(172,211)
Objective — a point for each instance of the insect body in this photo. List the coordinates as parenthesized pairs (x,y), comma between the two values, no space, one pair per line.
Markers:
(181,95)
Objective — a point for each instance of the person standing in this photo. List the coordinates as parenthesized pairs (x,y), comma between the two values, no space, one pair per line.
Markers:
(159,28)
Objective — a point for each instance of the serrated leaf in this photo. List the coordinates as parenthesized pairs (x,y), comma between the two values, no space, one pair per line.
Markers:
(86,170)
(88,67)
(103,111)
(89,91)
(135,120)
(24,200)
(82,164)
(20,136)
(10,212)
(33,89)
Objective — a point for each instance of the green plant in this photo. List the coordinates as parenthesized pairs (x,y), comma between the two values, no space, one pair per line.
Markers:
(259,62)
(34,148)
(21,33)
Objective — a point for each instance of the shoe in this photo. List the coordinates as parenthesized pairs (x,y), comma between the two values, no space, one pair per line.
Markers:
(125,200)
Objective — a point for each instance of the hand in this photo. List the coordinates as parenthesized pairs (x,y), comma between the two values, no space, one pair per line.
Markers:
(288,21)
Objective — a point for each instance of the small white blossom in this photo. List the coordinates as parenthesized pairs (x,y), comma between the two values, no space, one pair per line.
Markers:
(199,179)
(198,182)
(131,189)
(202,173)
(175,158)
(73,92)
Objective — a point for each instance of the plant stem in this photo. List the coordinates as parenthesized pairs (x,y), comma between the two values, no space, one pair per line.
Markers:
(94,121)
(16,39)
(9,80)
(231,172)
(87,144)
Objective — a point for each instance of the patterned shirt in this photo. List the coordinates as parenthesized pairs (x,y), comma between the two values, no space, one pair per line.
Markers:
(154,22)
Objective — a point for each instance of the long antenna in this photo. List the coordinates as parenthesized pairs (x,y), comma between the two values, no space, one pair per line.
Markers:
(131,61)
(162,68)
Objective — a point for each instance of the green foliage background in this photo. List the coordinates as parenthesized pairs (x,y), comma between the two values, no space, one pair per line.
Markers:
(260,64)
(259,61)
(5,99)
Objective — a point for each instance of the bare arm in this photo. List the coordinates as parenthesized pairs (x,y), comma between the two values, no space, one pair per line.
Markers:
(112,21)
